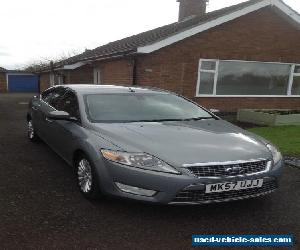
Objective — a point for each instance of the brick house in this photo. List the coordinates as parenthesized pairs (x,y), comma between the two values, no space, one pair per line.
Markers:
(243,56)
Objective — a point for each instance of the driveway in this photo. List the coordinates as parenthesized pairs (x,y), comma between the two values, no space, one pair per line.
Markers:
(40,206)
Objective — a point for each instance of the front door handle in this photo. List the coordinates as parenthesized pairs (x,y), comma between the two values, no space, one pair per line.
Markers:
(48,120)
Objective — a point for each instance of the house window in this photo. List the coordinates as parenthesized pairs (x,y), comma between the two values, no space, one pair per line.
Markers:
(295,90)
(97,76)
(242,78)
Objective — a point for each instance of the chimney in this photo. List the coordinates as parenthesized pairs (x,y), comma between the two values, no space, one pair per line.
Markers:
(188,8)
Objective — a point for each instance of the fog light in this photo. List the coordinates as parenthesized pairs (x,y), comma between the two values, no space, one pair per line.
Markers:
(135,190)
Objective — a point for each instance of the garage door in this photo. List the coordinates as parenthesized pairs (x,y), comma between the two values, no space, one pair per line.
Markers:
(23,83)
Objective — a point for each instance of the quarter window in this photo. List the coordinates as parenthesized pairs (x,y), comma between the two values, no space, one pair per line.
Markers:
(242,78)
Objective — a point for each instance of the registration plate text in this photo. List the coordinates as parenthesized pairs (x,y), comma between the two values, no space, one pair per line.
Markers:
(229,186)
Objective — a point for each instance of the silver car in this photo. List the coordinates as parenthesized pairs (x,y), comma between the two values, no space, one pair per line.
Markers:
(151,145)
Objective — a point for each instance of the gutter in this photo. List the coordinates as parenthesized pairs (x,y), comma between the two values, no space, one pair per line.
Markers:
(88,60)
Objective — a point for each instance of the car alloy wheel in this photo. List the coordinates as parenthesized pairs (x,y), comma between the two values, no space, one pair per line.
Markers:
(86,179)
(84,174)
(31,131)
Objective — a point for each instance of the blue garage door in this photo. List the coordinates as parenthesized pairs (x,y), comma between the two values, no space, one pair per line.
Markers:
(23,83)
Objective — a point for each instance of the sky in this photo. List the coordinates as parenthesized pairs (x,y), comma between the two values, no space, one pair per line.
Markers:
(35,30)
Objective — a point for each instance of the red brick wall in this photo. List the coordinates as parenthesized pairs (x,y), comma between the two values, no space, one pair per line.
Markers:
(117,72)
(3,82)
(259,36)
(82,75)
(44,81)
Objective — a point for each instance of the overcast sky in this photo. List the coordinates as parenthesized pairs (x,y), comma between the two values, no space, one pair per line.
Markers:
(33,30)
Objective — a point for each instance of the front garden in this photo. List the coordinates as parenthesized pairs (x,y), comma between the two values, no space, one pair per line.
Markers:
(286,138)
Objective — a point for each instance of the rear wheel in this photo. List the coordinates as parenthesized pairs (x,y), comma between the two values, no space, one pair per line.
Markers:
(87,178)
(31,133)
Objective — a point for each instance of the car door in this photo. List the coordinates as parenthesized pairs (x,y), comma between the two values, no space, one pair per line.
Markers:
(37,110)
(48,104)
(64,133)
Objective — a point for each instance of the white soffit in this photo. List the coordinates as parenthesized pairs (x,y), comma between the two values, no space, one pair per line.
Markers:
(218,21)
(74,66)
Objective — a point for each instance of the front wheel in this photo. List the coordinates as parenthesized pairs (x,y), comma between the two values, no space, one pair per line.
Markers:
(87,179)
(31,133)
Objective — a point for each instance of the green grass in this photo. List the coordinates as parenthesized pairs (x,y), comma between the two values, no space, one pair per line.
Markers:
(286,138)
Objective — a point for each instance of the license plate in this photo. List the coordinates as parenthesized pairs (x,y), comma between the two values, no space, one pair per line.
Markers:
(229,186)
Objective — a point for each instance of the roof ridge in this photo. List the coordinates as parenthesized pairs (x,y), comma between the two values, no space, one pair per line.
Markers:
(138,42)
(202,16)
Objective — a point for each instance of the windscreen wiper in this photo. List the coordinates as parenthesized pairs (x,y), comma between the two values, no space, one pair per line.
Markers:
(158,120)
(198,118)
(173,120)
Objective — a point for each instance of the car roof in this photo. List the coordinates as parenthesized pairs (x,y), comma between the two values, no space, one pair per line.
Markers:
(109,89)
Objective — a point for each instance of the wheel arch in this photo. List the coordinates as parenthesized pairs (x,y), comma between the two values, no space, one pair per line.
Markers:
(28,117)
(76,154)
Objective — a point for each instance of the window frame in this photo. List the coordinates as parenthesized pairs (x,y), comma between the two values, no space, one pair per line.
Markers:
(97,76)
(216,72)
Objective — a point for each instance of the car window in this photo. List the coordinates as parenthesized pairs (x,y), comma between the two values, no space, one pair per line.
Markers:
(69,103)
(56,97)
(46,95)
(52,96)
(141,107)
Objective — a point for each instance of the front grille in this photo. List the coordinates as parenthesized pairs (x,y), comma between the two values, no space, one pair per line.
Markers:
(199,196)
(229,170)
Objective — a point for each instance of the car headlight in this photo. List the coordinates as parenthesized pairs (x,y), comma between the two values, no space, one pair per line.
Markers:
(138,160)
(275,153)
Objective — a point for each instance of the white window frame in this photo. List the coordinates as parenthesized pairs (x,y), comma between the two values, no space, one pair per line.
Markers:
(291,81)
(97,76)
(216,72)
(52,79)
(14,74)
(60,79)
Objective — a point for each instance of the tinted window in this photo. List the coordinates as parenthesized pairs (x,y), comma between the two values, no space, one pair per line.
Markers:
(56,97)
(46,95)
(53,96)
(141,107)
(69,103)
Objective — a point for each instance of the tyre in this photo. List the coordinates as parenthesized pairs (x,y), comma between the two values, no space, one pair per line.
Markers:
(87,179)
(32,136)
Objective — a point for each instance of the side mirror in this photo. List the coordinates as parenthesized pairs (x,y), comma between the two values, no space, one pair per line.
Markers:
(215,111)
(59,115)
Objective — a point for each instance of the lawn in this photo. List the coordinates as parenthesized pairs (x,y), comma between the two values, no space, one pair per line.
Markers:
(287,138)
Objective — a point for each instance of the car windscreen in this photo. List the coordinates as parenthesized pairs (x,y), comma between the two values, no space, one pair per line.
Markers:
(141,107)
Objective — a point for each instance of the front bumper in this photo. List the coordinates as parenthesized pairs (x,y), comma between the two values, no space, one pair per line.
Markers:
(178,189)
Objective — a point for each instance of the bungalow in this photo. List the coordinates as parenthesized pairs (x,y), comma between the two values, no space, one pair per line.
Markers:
(243,56)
